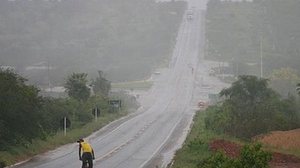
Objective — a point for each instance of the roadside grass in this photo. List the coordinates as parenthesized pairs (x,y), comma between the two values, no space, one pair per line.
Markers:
(140,85)
(26,151)
(196,147)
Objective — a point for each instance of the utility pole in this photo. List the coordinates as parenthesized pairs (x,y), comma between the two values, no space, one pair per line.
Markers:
(96,114)
(48,74)
(261,57)
(65,126)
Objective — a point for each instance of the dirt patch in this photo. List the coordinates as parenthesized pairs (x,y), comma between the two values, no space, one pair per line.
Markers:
(284,161)
(282,139)
(232,149)
(229,148)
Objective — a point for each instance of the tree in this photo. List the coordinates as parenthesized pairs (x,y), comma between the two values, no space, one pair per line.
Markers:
(252,105)
(251,108)
(76,86)
(248,90)
(101,85)
(19,110)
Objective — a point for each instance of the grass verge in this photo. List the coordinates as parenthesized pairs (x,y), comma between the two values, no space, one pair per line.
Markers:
(199,137)
(20,153)
(140,85)
(196,146)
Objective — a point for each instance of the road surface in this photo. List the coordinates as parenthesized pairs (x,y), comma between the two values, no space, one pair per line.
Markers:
(150,136)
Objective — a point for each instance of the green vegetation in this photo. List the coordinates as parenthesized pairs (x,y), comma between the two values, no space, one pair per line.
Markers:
(196,153)
(76,86)
(101,86)
(251,156)
(196,146)
(30,124)
(20,110)
(37,146)
(251,108)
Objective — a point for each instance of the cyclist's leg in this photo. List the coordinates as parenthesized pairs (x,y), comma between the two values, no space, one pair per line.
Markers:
(84,160)
(89,158)
(90,163)
(83,164)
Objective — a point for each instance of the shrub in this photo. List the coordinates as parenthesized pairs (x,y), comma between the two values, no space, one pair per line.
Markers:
(252,156)
(196,146)
(218,160)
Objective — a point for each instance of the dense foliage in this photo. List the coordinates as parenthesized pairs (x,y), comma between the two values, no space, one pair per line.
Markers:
(251,108)
(263,27)
(25,116)
(19,110)
(76,86)
(252,156)
(125,39)
(197,150)
(101,85)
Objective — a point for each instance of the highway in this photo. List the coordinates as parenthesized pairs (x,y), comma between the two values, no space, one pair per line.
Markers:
(150,136)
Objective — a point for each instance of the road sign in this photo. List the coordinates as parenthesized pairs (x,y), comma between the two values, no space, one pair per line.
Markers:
(115,105)
(65,122)
(96,111)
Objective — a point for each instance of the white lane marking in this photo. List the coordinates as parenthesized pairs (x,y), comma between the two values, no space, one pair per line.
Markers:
(162,144)
(118,148)
(179,120)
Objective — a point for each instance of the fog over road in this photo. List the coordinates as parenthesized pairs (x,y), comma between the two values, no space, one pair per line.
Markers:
(149,136)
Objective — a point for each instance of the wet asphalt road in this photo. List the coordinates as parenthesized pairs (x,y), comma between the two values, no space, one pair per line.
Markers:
(133,142)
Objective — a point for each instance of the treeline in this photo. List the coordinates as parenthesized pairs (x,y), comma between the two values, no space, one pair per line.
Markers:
(250,107)
(239,32)
(26,116)
(126,39)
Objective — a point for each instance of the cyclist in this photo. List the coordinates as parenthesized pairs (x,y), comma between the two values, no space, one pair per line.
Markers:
(87,153)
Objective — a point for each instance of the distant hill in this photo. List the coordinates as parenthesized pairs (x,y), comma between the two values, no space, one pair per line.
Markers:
(125,39)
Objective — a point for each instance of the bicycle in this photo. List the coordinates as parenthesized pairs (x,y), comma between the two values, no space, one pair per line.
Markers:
(86,164)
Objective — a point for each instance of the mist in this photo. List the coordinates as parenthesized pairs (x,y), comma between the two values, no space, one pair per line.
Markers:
(256,38)
(126,40)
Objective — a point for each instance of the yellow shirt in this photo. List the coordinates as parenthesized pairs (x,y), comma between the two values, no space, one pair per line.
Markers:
(86,147)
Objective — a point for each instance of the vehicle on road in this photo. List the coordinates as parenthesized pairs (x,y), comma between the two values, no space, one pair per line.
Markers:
(190,14)
(202,104)
(157,73)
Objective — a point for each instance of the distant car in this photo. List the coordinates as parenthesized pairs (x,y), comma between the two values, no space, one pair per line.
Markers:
(190,14)
(157,73)
(212,73)
(202,104)
(190,17)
